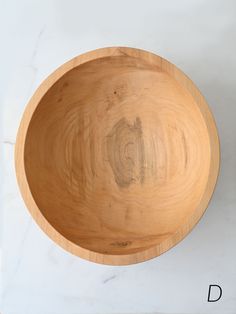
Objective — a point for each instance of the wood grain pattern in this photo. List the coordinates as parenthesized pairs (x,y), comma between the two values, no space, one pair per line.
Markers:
(117,155)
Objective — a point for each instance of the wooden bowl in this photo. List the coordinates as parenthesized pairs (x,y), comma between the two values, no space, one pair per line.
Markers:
(117,155)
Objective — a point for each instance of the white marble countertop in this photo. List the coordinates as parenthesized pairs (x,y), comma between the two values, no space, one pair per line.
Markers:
(38,277)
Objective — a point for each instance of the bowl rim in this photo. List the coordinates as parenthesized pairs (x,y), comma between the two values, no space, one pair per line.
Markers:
(190,222)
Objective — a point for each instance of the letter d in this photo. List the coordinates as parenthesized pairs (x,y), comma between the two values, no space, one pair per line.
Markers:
(209,299)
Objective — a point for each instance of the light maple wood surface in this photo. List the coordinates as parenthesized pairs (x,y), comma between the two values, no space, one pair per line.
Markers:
(117,155)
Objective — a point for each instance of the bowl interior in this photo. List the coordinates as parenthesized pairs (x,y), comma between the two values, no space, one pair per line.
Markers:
(117,155)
